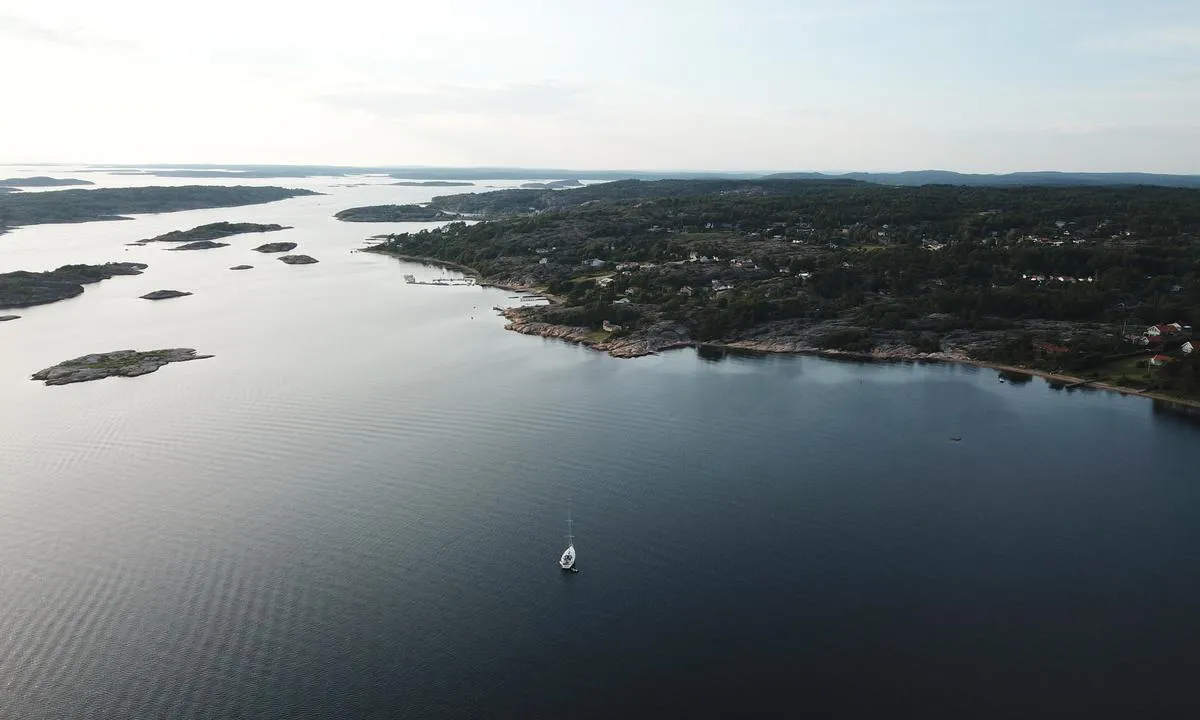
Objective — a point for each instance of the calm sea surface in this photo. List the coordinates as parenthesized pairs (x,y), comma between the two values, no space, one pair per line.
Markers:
(355,510)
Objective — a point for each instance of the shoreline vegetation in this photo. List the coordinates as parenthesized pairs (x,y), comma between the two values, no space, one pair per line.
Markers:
(1060,283)
(73,206)
(393,213)
(593,341)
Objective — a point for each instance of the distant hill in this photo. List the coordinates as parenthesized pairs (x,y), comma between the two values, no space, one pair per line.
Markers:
(407,172)
(42,181)
(70,206)
(947,177)
(412,173)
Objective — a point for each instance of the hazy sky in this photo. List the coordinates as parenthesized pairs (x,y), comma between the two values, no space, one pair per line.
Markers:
(972,85)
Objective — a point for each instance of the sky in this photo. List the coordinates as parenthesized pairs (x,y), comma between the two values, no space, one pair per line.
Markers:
(759,85)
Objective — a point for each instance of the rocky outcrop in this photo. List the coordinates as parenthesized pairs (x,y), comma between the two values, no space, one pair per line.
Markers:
(656,338)
(298,259)
(164,294)
(125,363)
(23,289)
(276,247)
(200,245)
(241,267)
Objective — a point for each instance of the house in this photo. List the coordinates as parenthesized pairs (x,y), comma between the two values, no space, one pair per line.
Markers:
(1160,360)
(543,261)
(1161,330)
(621,301)
(1189,347)
(686,290)
(595,263)
(609,327)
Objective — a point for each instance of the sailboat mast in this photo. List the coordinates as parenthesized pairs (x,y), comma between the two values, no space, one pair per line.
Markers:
(570,537)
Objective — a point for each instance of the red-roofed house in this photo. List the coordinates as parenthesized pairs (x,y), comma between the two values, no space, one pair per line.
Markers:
(1160,360)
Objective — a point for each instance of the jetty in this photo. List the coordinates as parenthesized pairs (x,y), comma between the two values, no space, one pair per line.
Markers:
(447,282)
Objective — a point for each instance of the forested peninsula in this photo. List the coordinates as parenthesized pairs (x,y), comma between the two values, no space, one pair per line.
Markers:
(1100,283)
(71,206)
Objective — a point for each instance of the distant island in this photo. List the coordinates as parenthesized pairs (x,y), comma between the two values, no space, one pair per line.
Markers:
(433,183)
(392,213)
(199,245)
(24,289)
(213,231)
(119,363)
(276,247)
(424,172)
(71,206)
(1098,284)
(552,185)
(42,181)
(4,190)
(164,294)
(298,259)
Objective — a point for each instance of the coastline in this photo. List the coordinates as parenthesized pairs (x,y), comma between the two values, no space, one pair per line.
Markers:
(629,348)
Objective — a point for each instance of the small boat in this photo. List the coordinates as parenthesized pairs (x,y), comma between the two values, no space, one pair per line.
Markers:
(567,561)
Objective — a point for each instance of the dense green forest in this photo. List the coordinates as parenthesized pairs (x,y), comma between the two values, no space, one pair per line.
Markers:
(980,271)
(68,206)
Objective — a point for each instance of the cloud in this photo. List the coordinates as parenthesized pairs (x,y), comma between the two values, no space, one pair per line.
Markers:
(1165,40)
(24,28)
(547,98)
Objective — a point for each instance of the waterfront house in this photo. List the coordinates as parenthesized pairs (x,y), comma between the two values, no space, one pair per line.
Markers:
(1160,360)
(1190,346)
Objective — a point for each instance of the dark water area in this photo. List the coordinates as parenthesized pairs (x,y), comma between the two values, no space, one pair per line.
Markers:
(355,509)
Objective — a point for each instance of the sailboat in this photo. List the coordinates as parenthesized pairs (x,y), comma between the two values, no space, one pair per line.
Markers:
(567,561)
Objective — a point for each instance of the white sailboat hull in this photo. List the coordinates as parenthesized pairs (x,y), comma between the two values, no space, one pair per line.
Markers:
(567,561)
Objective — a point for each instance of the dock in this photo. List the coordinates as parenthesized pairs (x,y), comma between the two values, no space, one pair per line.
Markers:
(445,282)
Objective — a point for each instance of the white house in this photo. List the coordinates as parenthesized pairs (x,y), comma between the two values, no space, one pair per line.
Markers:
(1189,347)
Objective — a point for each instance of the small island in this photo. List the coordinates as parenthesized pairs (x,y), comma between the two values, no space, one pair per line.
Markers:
(241,267)
(71,206)
(123,363)
(23,289)
(393,213)
(43,181)
(199,245)
(6,318)
(164,294)
(433,183)
(212,231)
(276,247)
(552,185)
(298,259)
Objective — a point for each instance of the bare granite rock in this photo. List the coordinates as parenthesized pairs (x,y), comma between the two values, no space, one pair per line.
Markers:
(298,259)
(164,294)
(125,363)
(276,247)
